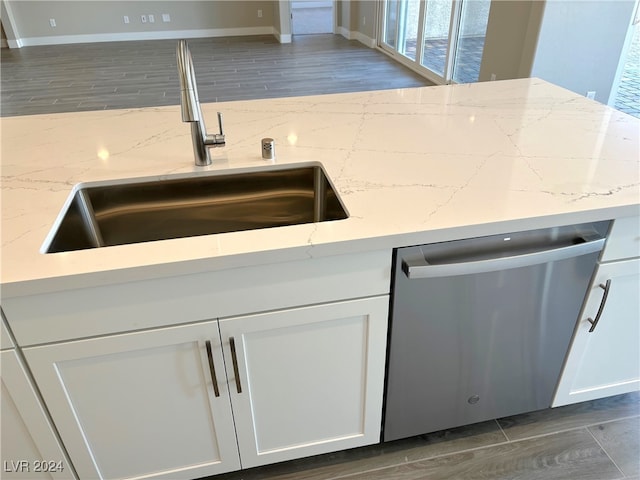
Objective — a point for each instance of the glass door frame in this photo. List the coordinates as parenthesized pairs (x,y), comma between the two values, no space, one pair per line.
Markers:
(634,23)
(416,65)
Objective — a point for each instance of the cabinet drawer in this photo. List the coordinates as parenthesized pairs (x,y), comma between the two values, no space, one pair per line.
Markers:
(132,306)
(624,240)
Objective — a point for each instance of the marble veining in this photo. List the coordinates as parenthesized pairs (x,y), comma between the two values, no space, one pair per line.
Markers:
(411,165)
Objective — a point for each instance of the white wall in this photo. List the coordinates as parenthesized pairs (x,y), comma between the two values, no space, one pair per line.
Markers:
(81,21)
(511,39)
(573,43)
(356,20)
(102,20)
(363,18)
(282,20)
(580,44)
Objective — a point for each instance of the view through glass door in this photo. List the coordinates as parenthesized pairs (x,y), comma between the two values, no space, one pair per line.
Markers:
(443,39)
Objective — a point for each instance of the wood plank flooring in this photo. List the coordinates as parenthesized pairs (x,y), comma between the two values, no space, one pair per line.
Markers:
(97,76)
(592,440)
(597,440)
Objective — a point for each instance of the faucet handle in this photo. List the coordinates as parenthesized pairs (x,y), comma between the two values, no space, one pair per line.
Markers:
(220,124)
(216,139)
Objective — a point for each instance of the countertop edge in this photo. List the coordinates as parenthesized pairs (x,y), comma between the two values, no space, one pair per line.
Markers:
(291,254)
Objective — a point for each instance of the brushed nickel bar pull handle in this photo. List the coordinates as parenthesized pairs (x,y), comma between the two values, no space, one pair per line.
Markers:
(234,359)
(594,323)
(423,269)
(212,369)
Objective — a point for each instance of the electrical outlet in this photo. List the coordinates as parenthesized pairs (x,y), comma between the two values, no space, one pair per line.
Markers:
(166,17)
(143,18)
(152,18)
(126,19)
(259,13)
(52,22)
(591,94)
(364,21)
(493,77)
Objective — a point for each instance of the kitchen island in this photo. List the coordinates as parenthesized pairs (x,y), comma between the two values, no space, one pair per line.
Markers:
(411,166)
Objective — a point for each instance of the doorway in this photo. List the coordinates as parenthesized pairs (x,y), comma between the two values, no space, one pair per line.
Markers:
(442,39)
(312,17)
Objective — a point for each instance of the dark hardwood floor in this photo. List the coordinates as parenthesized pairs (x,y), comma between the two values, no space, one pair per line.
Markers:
(597,440)
(592,440)
(97,76)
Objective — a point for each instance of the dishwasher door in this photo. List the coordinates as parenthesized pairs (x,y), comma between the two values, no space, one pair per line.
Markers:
(480,328)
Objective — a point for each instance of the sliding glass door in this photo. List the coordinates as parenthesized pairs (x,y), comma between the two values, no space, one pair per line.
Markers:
(471,31)
(401,26)
(436,51)
(443,39)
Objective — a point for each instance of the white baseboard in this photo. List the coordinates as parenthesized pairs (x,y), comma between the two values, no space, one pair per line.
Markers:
(361,37)
(344,32)
(174,34)
(282,38)
(129,36)
(364,39)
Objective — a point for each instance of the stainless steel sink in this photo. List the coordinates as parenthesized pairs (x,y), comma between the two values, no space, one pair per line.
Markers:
(148,210)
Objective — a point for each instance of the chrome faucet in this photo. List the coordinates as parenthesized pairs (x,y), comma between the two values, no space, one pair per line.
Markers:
(191,111)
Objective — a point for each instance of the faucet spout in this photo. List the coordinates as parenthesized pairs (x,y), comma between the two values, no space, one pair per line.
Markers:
(191,111)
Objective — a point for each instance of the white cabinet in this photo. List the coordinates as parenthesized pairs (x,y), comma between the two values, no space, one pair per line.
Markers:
(5,338)
(140,404)
(623,241)
(301,381)
(306,381)
(30,448)
(606,360)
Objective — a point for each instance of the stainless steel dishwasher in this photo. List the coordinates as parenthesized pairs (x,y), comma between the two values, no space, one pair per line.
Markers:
(480,327)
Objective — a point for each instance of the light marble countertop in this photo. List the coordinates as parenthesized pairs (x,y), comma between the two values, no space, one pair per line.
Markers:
(411,166)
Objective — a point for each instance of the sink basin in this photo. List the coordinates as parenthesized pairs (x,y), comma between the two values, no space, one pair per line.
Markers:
(145,210)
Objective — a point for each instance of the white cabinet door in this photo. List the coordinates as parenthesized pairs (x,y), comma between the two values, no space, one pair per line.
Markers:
(140,405)
(606,361)
(308,380)
(5,338)
(30,449)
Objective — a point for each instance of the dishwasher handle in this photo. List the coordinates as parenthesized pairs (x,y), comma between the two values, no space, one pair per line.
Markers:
(415,269)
